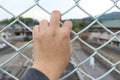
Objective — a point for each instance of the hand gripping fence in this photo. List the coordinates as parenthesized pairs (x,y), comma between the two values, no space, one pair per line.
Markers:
(82,73)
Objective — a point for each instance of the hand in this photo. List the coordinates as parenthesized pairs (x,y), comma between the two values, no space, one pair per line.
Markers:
(52,48)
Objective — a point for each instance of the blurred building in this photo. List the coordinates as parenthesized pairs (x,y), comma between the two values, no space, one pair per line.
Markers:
(99,34)
(113,25)
(20,30)
(6,33)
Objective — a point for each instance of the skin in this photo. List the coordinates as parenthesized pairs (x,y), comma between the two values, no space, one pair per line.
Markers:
(52,48)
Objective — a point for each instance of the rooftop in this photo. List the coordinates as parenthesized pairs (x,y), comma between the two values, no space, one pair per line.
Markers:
(110,24)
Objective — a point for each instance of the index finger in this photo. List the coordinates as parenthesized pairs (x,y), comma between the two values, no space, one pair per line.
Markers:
(55,19)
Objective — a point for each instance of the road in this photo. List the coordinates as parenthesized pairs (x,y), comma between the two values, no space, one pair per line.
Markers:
(98,71)
(6,51)
(15,65)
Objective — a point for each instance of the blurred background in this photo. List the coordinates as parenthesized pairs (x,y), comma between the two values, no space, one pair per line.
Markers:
(95,37)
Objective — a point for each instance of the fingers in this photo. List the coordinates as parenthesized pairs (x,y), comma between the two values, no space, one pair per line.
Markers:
(43,24)
(55,19)
(35,31)
(36,28)
(54,23)
(67,26)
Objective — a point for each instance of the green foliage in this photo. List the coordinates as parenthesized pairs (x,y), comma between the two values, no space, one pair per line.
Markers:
(27,21)
(7,21)
(79,24)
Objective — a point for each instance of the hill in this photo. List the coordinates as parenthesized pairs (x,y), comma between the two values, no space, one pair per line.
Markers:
(108,16)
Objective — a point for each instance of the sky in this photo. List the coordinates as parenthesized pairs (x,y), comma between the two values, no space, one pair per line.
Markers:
(93,7)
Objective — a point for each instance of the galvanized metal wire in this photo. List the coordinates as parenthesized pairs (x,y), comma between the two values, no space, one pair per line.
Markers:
(77,37)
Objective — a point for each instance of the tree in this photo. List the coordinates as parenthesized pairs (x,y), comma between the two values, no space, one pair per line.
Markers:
(79,24)
(27,21)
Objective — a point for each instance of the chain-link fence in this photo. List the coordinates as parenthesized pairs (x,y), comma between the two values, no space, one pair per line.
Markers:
(16,53)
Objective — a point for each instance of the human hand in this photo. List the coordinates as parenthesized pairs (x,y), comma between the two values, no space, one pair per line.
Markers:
(52,48)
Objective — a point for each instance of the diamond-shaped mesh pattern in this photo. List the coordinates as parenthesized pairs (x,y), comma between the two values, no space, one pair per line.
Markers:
(83,74)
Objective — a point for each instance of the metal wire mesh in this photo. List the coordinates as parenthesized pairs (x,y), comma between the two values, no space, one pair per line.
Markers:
(77,65)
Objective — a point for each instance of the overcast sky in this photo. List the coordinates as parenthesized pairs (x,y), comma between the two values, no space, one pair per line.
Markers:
(94,7)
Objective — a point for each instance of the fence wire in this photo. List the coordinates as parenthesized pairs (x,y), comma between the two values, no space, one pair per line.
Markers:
(96,51)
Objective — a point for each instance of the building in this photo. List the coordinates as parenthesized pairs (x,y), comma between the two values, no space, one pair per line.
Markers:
(113,25)
(99,34)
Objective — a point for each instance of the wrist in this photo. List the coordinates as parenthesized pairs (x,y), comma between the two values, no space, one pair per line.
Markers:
(50,70)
